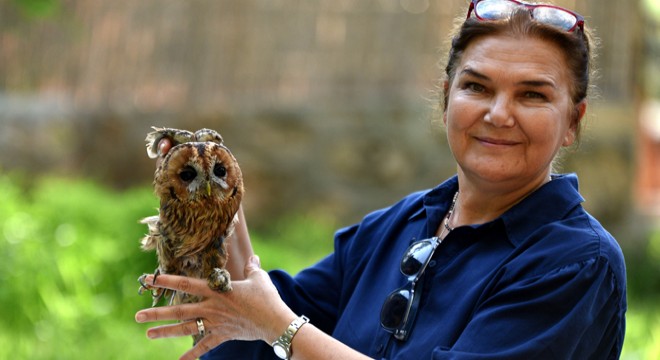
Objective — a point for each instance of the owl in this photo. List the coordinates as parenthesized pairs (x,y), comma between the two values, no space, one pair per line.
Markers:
(200,187)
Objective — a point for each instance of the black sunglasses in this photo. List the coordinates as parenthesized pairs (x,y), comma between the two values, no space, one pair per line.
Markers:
(400,307)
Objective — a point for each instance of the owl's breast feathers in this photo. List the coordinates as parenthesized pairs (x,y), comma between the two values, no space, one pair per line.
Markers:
(194,226)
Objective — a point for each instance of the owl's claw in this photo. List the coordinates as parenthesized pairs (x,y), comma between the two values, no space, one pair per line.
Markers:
(156,293)
(219,280)
(156,273)
(143,285)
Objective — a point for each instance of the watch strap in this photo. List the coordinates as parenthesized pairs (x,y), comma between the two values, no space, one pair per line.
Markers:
(284,341)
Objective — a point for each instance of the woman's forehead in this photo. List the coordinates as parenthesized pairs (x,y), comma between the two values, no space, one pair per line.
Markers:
(513,55)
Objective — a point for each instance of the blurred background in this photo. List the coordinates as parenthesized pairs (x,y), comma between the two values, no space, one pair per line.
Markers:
(328,105)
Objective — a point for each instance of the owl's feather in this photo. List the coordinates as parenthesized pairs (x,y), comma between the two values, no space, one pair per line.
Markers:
(200,187)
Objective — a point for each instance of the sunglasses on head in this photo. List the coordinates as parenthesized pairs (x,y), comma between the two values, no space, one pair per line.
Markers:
(556,16)
(400,307)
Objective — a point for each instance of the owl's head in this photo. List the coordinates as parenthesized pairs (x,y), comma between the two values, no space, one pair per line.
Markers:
(195,171)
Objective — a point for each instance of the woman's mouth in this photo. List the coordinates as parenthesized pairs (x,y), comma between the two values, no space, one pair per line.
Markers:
(496,141)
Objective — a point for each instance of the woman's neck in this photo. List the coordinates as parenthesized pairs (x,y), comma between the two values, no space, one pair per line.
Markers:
(481,202)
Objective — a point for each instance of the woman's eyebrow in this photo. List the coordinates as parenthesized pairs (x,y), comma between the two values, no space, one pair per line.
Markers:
(470,72)
(532,83)
(538,83)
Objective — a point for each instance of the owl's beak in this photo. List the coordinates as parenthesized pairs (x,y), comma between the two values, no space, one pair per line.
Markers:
(208,188)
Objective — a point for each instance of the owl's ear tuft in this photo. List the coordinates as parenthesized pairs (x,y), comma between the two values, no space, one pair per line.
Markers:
(204,135)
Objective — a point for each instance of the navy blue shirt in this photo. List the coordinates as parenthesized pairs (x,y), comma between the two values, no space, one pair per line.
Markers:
(543,281)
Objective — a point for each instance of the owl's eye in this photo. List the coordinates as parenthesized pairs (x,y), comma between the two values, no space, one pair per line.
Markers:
(188,174)
(219,170)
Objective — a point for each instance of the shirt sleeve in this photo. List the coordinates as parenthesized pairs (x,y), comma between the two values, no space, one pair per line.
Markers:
(320,291)
(574,312)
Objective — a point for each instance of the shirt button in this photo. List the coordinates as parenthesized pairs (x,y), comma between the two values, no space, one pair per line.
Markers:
(380,348)
(432,263)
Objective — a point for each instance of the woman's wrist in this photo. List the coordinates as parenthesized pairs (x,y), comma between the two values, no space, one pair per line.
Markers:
(280,324)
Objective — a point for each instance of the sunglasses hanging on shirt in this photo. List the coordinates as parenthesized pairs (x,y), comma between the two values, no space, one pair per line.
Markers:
(400,307)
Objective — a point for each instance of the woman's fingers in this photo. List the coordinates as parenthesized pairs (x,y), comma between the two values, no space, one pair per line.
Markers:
(206,344)
(239,314)
(182,312)
(173,330)
(187,285)
(163,147)
(165,313)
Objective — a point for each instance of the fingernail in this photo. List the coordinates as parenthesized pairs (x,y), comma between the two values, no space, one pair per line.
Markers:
(254,259)
(151,334)
(140,317)
(161,146)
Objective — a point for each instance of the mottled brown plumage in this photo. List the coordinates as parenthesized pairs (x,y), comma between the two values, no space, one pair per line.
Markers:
(200,187)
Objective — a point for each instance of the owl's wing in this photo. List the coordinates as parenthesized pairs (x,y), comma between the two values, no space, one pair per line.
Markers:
(204,135)
(175,135)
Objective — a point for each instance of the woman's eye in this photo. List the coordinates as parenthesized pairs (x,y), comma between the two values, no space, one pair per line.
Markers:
(475,87)
(535,95)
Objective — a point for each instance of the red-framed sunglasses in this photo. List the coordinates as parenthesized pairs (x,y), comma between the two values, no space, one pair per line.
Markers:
(547,14)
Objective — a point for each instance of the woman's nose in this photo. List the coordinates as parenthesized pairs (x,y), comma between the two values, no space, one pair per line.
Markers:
(499,113)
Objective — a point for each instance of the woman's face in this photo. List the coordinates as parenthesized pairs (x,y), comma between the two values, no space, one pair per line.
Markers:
(509,110)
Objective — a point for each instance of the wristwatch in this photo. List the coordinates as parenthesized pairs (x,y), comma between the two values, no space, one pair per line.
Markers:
(282,346)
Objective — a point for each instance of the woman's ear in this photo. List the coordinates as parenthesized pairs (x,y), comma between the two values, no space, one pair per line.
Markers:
(445,98)
(578,114)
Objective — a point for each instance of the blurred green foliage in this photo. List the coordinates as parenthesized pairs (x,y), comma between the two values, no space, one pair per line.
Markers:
(70,258)
(38,8)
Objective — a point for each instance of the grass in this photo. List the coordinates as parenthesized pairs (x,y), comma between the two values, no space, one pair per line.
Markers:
(70,260)
(642,331)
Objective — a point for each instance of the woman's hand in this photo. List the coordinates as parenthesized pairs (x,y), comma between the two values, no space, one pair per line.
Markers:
(164,146)
(253,310)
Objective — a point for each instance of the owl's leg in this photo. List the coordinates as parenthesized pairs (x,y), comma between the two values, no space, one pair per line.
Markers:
(219,280)
(196,339)
(173,300)
(156,295)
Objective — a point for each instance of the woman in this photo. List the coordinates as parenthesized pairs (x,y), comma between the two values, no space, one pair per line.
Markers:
(499,261)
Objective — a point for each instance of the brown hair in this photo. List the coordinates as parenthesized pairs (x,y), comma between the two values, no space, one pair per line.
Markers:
(575,45)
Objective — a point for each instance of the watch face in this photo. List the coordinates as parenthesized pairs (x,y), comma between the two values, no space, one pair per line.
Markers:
(280,351)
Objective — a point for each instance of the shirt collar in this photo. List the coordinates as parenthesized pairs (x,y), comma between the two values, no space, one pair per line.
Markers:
(547,204)
(436,203)
(550,202)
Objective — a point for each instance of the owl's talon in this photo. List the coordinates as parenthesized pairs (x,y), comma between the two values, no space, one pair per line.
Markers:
(156,273)
(219,280)
(143,285)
